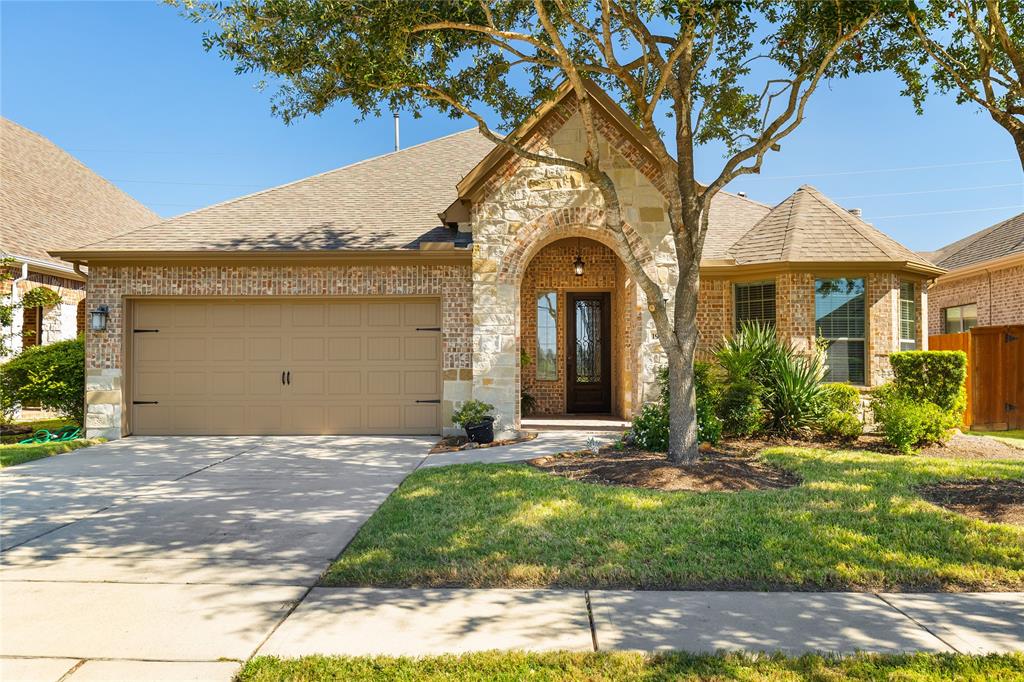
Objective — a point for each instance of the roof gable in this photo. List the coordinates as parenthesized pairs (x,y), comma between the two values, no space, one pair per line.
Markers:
(808,227)
(52,201)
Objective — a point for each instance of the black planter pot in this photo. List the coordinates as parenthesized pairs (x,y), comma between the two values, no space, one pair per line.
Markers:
(482,432)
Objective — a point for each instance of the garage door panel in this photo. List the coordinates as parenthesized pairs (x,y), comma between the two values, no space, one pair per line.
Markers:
(190,384)
(307,315)
(305,349)
(227,316)
(266,348)
(190,315)
(384,382)
(384,314)
(227,349)
(227,384)
(307,382)
(150,385)
(345,349)
(190,349)
(421,314)
(422,347)
(422,382)
(356,366)
(152,348)
(264,315)
(345,314)
(421,416)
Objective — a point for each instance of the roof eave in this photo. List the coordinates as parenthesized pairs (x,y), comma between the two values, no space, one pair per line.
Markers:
(428,254)
(66,270)
(720,267)
(980,267)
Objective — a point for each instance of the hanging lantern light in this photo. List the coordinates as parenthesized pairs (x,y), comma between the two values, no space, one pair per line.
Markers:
(98,318)
(577,264)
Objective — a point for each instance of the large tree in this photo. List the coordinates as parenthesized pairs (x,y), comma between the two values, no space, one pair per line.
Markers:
(976,50)
(734,74)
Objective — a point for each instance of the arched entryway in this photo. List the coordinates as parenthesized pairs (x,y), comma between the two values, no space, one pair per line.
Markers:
(578,333)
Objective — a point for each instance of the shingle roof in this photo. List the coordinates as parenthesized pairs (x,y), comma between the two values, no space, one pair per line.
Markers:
(50,200)
(732,216)
(808,227)
(387,202)
(997,241)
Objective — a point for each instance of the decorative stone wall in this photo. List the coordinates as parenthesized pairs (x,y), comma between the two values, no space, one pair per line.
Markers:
(999,296)
(109,284)
(524,206)
(551,269)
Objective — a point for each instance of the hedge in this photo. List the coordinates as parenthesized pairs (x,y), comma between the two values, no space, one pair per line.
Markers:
(935,376)
(52,375)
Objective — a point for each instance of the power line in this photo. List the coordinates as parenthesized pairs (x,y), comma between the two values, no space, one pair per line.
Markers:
(885,170)
(966,210)
(194,184)
(930,191)
(146,151)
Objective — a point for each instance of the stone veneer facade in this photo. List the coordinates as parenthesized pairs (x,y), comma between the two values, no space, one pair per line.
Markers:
(999,295)
(110,284)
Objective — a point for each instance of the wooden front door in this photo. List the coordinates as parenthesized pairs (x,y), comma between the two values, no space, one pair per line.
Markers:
(588,360)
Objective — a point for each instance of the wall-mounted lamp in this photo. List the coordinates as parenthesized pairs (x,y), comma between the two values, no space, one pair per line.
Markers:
(577,264)
(98,318)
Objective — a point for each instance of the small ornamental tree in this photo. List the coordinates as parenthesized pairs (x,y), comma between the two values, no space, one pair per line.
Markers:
(737,74)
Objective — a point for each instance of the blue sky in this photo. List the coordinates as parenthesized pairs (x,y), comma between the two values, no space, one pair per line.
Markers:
(126,88)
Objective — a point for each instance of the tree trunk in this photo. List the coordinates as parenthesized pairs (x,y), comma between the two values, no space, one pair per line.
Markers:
(683,443)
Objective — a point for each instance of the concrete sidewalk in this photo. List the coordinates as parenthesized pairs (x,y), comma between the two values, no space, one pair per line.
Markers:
(546,443)
(425,622)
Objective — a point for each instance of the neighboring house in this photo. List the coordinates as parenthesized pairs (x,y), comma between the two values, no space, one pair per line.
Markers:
(345,303)
(985,282)
(49,200)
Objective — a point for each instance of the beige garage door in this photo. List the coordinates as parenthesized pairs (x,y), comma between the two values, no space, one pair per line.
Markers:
(272,367)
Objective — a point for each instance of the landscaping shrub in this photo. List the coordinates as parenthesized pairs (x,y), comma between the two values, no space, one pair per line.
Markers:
(840,425)
(935,376)
(840,397)
(471,413)
(907,423)
(839,405)
(741,409)
(649,429)
(790,382)
(52,375)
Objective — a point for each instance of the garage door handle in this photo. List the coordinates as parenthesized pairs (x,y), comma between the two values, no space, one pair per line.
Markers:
(435,402)
(428,329)
(289,377)
(282,378)
(145,402)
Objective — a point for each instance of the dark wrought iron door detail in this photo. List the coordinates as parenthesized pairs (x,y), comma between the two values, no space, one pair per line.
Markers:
(588,358)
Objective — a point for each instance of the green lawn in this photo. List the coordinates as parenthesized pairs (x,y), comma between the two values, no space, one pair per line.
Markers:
(594,667)
(1015,437)
(33,426)
(855,523)
(19,454)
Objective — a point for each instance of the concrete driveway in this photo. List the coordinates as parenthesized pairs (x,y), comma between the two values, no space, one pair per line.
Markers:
(176,551)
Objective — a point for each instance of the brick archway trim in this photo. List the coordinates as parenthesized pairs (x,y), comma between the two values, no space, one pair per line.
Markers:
(564,223)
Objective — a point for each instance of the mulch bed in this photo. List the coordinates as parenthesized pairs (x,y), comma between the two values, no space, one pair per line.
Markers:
(718,470)
(456,443)
(998,501)
(959,446)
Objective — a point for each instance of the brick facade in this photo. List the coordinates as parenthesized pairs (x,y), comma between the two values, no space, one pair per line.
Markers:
(999,295)
(109,284)
(552,270)
(58,323)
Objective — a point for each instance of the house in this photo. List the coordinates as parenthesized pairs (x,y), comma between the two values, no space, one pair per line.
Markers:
(984,284)
(49,200)
(378,297)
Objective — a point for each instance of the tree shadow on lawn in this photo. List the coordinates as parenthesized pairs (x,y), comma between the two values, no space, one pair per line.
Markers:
(855,523)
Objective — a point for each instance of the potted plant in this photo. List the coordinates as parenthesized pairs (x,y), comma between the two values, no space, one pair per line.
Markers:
(475,417)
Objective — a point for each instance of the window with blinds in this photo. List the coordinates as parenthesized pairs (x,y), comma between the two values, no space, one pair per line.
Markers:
(840,319)
(754,302)
(908,317)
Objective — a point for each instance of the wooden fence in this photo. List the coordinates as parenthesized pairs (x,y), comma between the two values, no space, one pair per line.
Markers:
(995,374)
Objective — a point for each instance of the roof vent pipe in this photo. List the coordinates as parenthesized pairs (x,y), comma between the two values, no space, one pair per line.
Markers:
(855,212)
(396,131)
(741,194)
